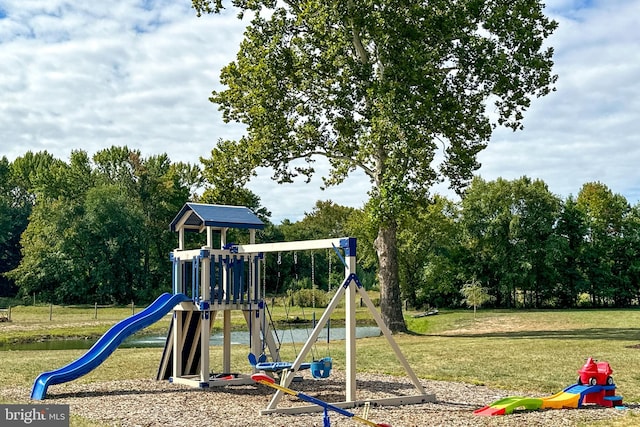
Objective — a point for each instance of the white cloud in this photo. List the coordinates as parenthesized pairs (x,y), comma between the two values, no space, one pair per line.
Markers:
(110,74)
(77,74)
(292,201)
(588,129)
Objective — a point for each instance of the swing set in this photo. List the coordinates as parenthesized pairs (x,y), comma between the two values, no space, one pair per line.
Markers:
(225,278)
(319,367)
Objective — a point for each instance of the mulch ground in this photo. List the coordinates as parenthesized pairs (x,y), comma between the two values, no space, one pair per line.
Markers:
(132,403)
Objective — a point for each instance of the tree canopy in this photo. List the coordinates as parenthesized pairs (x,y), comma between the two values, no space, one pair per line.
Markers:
(98,228)
(95,230)
(398,89)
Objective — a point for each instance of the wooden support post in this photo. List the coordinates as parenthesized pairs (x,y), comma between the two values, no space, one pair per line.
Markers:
(205,316)
(253,319)
(177,343)
(205,330)
(350,333)
(209,237)
(226,341)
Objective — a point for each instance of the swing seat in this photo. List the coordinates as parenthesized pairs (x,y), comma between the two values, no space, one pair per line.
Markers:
(321,368)
(276,367)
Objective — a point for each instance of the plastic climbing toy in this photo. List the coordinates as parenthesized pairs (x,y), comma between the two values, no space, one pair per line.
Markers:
(595,386)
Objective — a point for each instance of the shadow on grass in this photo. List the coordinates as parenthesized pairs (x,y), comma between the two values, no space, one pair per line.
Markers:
(607,334)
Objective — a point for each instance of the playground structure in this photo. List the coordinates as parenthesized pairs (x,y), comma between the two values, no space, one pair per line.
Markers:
(595,386)
(226,278)
(211,282)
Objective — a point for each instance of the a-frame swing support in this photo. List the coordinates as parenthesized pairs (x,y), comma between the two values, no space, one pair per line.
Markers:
(350,288)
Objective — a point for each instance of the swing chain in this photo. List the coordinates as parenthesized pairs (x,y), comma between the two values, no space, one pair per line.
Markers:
(329,278)
(313,281)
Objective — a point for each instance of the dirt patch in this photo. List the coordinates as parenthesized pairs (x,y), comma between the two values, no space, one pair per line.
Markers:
(493,325)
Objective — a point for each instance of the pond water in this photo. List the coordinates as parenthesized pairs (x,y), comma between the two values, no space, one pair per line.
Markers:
(286,336)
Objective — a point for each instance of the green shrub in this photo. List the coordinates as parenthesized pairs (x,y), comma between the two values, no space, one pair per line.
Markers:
(310,298)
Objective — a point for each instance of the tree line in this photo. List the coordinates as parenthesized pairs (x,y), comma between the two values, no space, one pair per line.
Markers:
(90,229)
(95,229)
(527,246)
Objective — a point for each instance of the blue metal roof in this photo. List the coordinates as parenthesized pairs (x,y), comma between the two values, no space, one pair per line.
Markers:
(222,216)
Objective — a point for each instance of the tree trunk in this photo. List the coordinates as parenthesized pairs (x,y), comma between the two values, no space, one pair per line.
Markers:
(390,301)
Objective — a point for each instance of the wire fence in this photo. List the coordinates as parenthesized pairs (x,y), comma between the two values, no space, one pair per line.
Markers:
(62,311)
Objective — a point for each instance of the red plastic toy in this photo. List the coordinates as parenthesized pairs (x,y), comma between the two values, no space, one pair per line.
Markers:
(595,386)
(595,373)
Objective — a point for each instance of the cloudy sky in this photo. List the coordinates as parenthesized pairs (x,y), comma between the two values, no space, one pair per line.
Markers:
(89,75)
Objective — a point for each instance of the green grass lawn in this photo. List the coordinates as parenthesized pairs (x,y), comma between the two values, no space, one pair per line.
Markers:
(535,352)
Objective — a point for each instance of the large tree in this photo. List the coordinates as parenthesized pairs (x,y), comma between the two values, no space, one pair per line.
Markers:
(571,232)
(98,228)
(429,246)
(14,213)
(509,239)
(383,86)
(605,214)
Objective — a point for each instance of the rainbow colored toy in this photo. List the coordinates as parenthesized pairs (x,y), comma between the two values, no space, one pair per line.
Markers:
(595,386)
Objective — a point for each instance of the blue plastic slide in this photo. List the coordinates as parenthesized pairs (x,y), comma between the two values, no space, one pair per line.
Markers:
(106,344)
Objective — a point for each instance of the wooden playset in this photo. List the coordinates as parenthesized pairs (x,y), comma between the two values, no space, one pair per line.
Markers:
(224,277)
